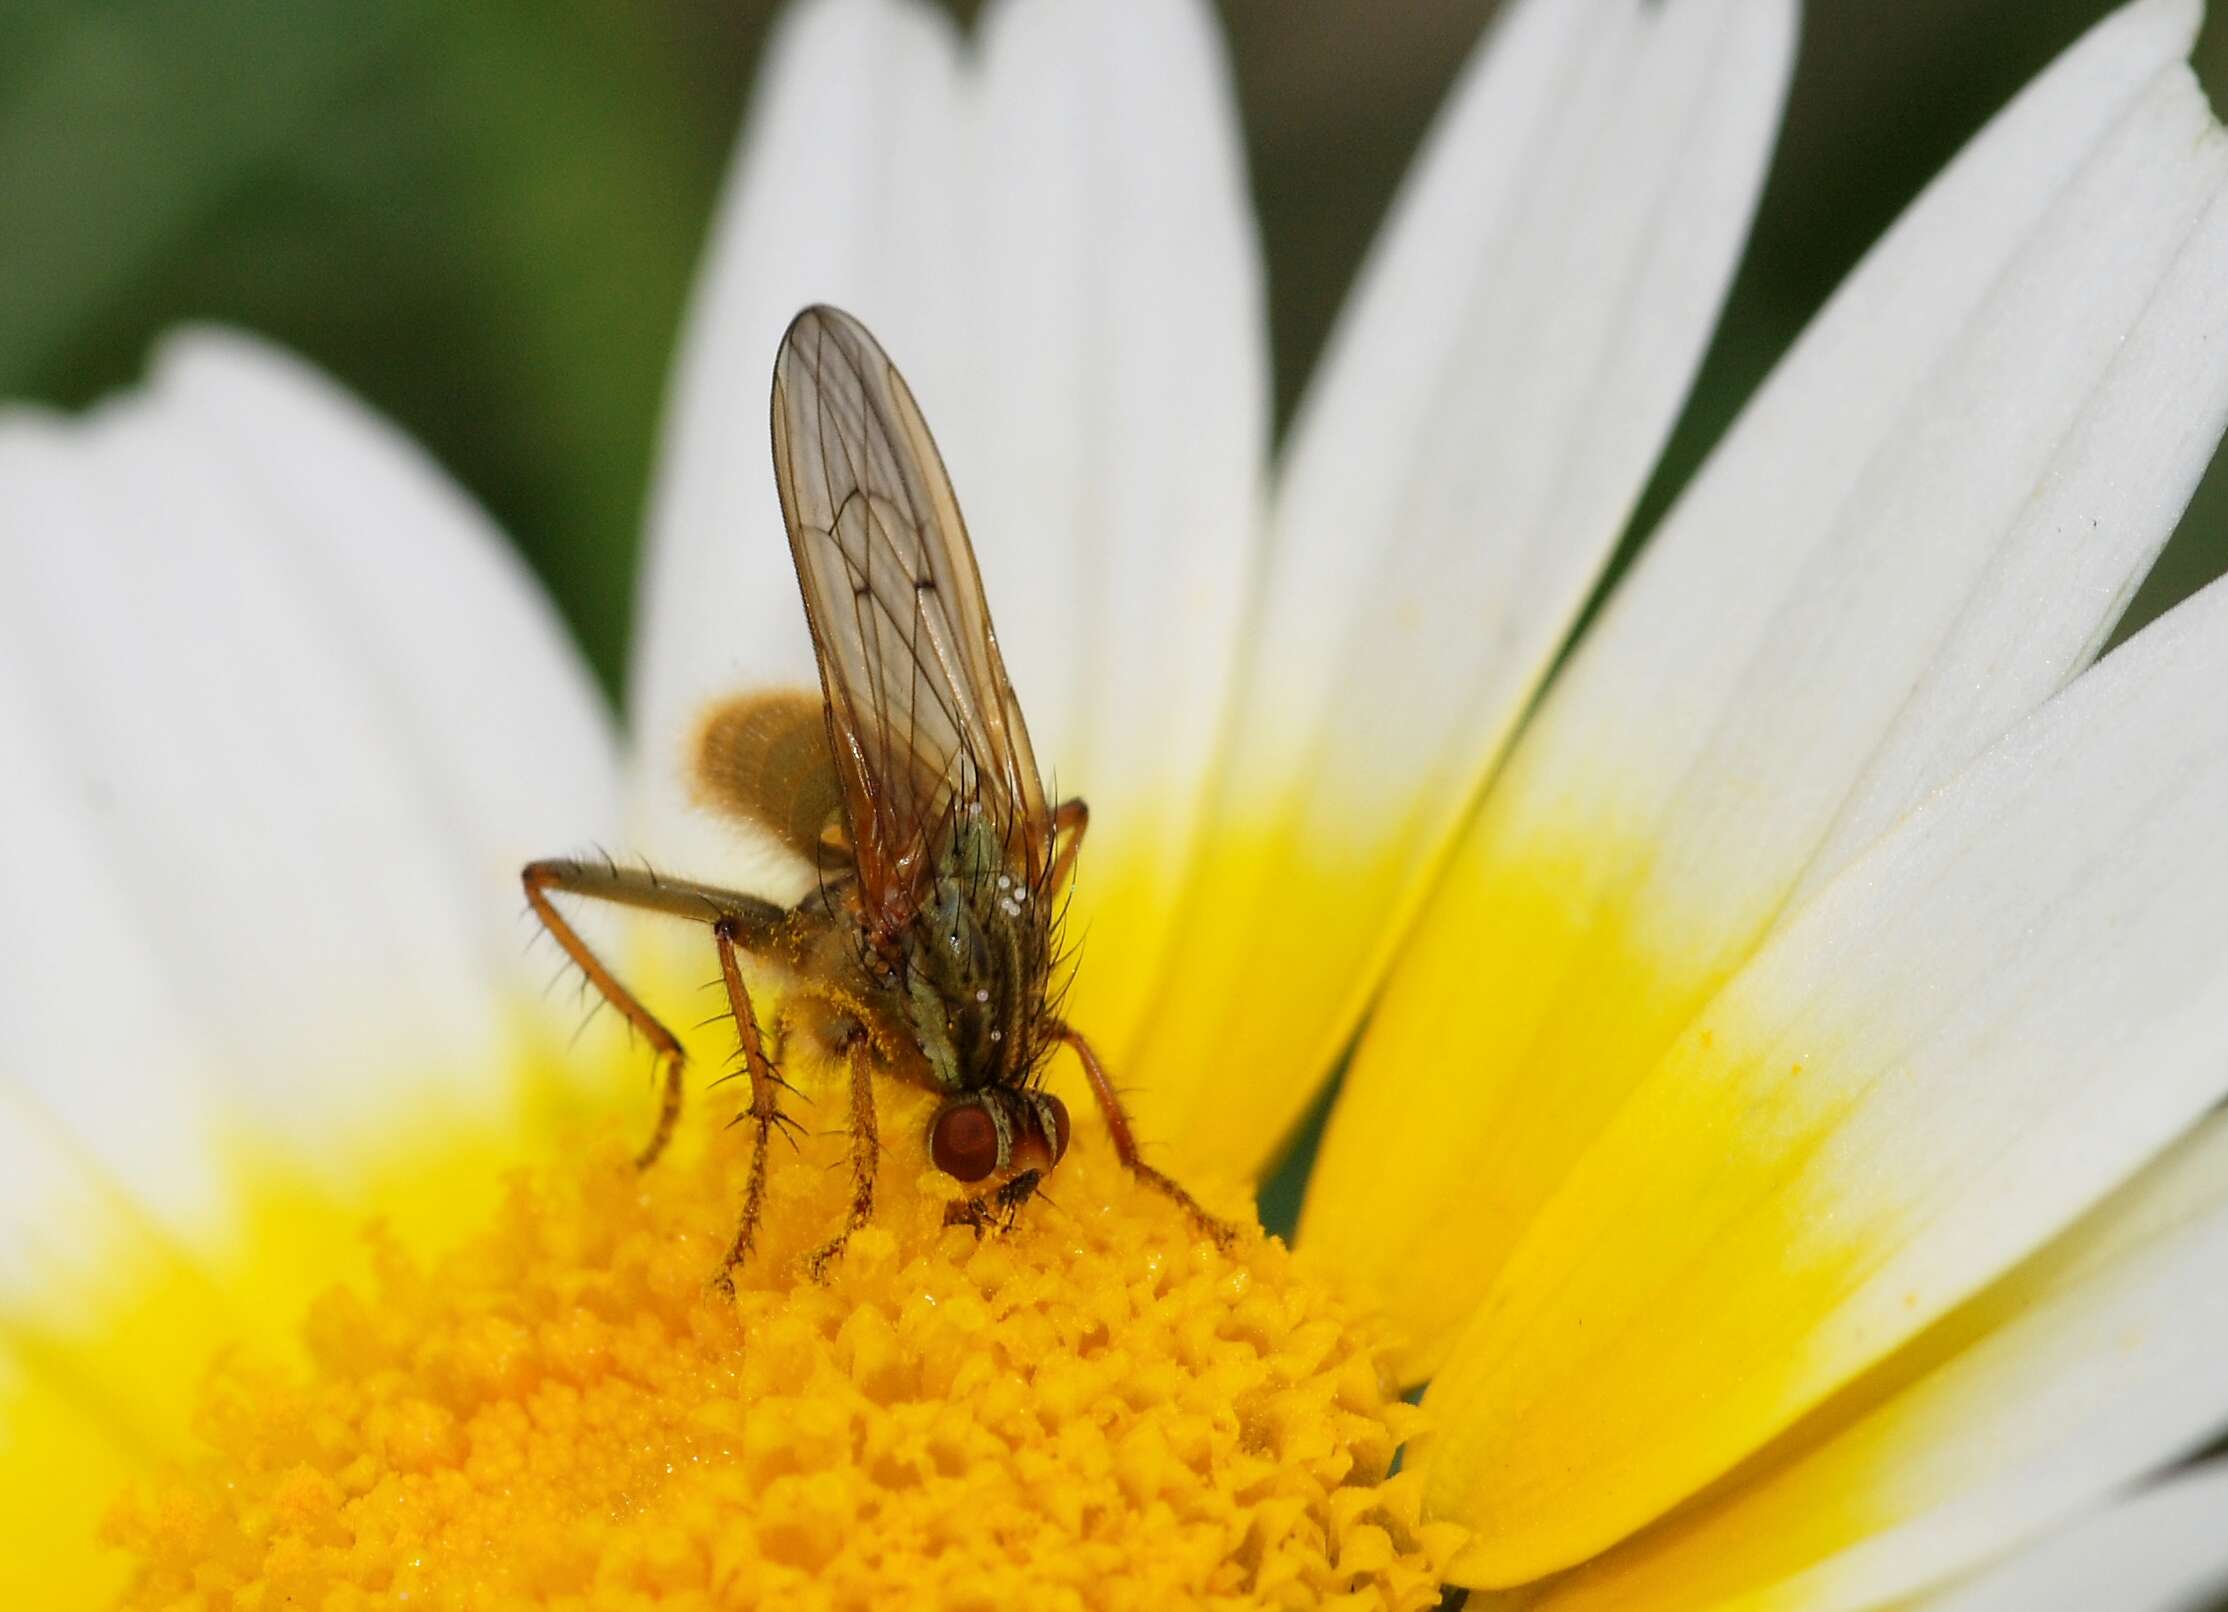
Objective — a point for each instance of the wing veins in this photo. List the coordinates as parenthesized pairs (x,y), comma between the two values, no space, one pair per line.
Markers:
(943,729)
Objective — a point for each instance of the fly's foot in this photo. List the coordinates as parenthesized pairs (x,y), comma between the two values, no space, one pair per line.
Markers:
(866,1155)
(1218,1231)
(862,1211)
(670,1068)
(997,1211)
(738,1251)
(818,1261)
(973,1213)
(754,1199)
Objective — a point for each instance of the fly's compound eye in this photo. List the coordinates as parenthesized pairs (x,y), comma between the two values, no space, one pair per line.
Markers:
(963,1142)
(1043,1131)
(1052,1119)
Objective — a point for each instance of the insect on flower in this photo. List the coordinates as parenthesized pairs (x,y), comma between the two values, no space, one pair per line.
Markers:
(927,952)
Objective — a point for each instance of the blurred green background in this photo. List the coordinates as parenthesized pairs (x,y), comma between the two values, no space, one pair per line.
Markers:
(484,216)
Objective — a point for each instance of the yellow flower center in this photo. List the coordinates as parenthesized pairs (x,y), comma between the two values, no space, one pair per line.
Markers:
(1096,1407)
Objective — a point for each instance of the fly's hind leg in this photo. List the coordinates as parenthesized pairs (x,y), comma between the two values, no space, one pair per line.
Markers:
(751,919)
(1125,1141)
(866,1155)
(539,879)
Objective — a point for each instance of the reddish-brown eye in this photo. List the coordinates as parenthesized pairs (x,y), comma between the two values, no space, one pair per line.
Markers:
(964,1142)
(1053,1116)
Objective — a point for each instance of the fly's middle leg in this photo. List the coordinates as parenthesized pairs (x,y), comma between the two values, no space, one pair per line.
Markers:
(866,1155)
(766,1086)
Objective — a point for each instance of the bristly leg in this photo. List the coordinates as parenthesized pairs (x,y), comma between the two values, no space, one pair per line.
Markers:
(748,919)
(765,1102)
(541,877)
(866,1156)
(1125,1141)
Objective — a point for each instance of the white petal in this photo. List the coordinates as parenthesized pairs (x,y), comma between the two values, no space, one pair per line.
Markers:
(288,720)
(2163,1549)
(1928,521)
(95,1025)
(1116,460)
(2094,1363)
(1487,413)
(1986,553)
(845,191)
(527,756)
(1982,1027)
(1051,238)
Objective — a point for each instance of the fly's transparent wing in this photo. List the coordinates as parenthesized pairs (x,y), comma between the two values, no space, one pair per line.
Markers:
(921,718)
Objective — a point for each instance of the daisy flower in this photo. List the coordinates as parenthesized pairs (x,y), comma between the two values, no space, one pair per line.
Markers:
(1781,1050)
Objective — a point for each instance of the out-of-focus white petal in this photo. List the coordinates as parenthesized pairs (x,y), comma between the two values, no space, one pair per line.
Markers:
(521,753)
(1928,520)
(1982,1027)
(2162,1549)
(1515,353)
(2092,1364)
(1050,235)
(94,1019)
(287,720)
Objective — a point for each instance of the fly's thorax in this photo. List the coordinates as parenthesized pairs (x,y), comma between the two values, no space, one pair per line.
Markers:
(977,959)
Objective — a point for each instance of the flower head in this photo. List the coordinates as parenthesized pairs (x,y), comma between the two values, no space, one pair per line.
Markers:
(1779,1134)
(1105,1409)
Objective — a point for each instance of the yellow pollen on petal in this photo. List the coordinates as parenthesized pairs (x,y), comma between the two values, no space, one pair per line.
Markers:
(1095,1408)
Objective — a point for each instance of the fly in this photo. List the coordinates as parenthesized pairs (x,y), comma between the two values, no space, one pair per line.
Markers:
(927,952)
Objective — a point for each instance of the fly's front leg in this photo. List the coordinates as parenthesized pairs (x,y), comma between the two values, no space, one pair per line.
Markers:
(1000,1210)
(866,1156)
(765,1112)
(1125,1141)
(641,889)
